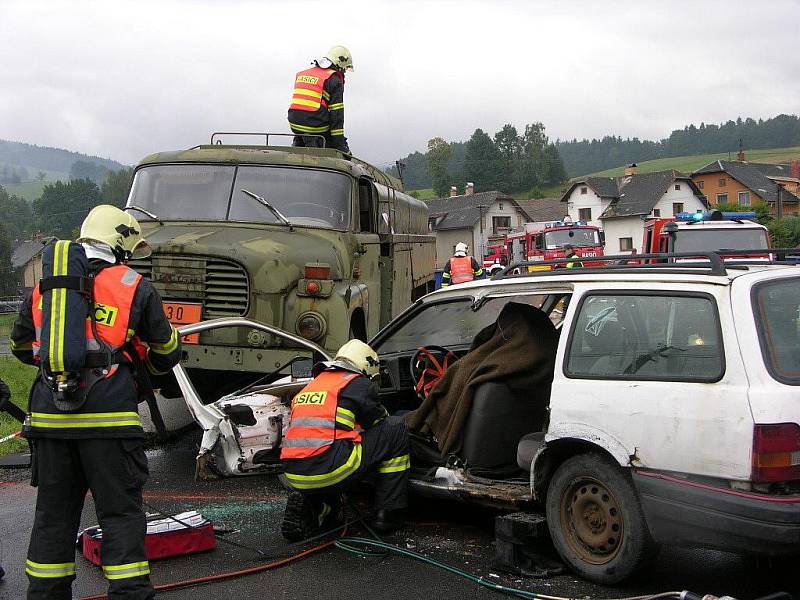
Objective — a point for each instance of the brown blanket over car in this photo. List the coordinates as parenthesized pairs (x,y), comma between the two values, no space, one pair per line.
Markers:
(518,349)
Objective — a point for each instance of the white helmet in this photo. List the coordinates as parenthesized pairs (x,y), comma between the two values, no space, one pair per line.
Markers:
(461,249)
(340,58)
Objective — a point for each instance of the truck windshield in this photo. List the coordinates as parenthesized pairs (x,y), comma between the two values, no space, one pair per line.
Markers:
(705,240)
(777,308)
(198,192)
(576,237)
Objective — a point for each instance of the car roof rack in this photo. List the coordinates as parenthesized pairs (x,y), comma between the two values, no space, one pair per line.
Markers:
(707,263)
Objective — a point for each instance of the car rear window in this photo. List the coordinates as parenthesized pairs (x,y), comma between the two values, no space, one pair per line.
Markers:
(777,312)
(651,336)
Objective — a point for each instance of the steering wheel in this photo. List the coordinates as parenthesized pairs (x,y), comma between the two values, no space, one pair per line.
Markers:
(428,365)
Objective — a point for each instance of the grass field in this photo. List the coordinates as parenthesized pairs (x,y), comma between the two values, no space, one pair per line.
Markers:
(6,322)
(19,378)
(687,164)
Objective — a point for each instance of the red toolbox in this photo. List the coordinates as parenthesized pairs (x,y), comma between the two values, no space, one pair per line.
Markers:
(165,537)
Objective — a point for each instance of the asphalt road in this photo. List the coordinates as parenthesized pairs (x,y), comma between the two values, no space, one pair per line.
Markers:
(252,508)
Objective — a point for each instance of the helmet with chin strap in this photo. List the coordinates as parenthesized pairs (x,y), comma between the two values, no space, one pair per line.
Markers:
(115,228)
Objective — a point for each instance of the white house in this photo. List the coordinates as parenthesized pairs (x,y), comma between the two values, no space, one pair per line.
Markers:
(621,205)
(472,218)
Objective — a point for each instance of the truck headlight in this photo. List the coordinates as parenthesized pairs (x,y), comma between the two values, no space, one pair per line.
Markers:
(311,325)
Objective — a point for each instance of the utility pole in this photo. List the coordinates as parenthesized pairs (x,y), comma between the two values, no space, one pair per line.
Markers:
(779,204)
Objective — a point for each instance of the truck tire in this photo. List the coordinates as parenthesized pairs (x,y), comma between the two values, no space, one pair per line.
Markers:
(596,521)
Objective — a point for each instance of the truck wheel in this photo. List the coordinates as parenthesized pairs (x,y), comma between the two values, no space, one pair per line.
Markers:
(596,521)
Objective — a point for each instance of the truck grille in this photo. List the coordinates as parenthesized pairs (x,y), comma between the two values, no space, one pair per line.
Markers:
(220,285)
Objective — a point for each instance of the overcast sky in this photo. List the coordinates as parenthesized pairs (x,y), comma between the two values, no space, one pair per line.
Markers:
(123,79)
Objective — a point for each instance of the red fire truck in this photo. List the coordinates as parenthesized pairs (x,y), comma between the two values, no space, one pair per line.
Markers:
(495,258)
(545,240)
(707,231)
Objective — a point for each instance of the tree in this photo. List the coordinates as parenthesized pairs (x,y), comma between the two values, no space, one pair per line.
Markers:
(116,186)
(40,175)
(8,284)
(62,206)
(508,143)
(438,157)
(482,161)
(17,215)
(82,169)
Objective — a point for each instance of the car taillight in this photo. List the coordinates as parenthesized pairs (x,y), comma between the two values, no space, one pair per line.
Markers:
(776,452)
(317,271)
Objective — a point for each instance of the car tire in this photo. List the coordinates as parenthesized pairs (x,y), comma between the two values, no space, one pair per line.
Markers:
(596,521)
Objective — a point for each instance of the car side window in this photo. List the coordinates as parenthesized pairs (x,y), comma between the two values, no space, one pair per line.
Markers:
(648,336)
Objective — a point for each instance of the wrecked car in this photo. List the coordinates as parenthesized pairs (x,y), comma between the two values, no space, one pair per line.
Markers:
(670,415)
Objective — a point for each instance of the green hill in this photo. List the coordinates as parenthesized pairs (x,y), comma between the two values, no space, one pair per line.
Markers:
(687,164)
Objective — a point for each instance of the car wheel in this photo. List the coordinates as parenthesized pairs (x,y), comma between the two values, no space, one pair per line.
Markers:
(596,521)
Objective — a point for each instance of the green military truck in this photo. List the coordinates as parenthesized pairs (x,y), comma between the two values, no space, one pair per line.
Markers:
(306,239)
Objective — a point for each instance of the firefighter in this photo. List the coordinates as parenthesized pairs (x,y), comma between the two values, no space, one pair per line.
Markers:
(569,252)
(461,268)
(95,442)
(338,434)
(317,107)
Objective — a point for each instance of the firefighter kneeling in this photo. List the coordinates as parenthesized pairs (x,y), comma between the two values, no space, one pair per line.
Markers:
(338,434)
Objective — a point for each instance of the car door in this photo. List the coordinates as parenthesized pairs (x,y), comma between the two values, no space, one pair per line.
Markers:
(651,376)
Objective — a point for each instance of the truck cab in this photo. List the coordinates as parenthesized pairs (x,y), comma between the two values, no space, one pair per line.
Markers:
(305,239)
(545,241)
(707,232)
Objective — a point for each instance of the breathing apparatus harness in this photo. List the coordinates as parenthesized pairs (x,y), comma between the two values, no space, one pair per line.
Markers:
(67,366)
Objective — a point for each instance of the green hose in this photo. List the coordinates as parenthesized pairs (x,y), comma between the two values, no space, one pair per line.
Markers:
(361,547)
(364,547)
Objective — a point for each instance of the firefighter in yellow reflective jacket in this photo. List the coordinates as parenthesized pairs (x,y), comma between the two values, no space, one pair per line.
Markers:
(338,433)
(317,106)
(95,443)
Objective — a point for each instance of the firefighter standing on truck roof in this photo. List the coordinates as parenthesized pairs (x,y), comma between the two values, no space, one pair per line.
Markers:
(461,268)
(317,107)
(338,433)
(94,440)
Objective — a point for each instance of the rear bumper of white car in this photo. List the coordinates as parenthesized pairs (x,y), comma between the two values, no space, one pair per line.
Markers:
(689,513)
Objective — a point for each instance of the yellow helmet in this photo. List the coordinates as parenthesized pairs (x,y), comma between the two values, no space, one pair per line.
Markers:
(341,58)
(119,230)
(361,356)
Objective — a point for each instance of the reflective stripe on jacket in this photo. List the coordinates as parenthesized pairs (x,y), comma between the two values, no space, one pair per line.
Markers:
(317,420)
(308,94)
(461,269)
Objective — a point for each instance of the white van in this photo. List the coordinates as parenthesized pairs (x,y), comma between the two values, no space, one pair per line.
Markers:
(673,416)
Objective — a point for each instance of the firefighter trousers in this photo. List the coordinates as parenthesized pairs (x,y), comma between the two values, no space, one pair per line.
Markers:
(115,471)
(385,460)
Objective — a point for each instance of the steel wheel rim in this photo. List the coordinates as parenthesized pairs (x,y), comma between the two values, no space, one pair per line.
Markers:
(591,520)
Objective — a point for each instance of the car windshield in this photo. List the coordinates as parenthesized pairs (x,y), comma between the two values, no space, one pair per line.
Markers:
(777,308)
(706,240)
(575,237)
(200,192)
(450,324)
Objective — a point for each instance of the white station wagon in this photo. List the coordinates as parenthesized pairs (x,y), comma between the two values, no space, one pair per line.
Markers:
(673,416)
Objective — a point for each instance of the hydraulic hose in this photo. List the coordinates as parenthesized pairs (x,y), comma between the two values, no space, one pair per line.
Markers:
(230,574)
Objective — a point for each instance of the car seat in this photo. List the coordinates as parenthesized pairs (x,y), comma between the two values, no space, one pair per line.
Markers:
(499,417)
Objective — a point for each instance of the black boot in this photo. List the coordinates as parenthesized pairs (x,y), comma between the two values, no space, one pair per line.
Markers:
(387,521)
(299,520)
